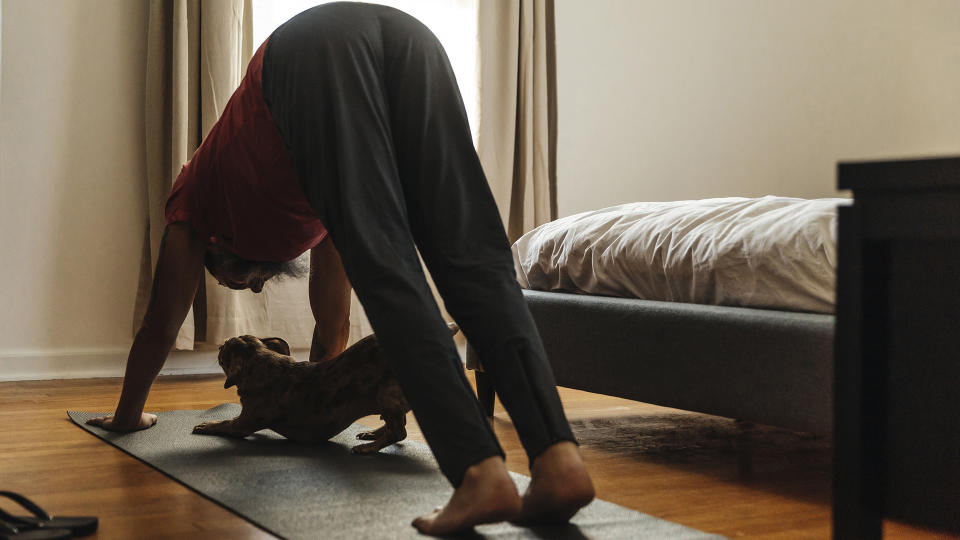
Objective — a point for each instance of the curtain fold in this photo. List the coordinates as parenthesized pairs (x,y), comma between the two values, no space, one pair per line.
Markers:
(172,113)
(197,53)
(517,128)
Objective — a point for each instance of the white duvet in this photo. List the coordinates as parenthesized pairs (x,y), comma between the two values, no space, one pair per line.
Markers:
(771,252)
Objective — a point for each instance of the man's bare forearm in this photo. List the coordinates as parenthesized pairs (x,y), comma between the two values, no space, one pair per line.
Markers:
(327,343)
(179,268)
(147,356)
(330,302)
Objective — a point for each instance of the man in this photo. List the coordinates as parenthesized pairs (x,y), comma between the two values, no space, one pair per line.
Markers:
(348,137)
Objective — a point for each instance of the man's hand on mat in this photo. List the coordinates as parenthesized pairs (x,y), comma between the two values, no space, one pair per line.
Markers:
(109,423)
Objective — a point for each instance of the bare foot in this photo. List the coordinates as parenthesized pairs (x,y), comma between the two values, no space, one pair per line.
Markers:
(110,423)
(559,486)
(486,495)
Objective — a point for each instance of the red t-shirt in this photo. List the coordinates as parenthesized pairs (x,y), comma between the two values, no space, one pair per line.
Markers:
(240,187)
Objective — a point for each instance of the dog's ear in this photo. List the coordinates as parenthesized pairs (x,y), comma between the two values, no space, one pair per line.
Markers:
(454,328)
(232,355)
(277,345)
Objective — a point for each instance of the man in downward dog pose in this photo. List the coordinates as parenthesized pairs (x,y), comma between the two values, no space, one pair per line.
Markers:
(348,137)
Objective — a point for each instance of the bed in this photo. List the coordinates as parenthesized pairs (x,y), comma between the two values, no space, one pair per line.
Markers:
(722,306)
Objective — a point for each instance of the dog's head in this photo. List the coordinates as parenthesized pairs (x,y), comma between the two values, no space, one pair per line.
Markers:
(235,352)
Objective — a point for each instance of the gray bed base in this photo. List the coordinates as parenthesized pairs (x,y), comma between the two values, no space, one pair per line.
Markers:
(765,366)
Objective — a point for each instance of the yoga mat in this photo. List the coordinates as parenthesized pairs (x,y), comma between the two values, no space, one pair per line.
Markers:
(323,491)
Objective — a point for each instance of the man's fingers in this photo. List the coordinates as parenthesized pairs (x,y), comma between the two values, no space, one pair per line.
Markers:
(108,423)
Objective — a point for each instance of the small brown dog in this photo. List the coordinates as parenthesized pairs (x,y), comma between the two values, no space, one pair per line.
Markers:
(311,401)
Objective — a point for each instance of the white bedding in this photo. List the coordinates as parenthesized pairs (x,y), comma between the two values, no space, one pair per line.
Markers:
(771,252)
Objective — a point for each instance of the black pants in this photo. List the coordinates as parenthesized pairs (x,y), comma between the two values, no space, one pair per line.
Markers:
(369,109)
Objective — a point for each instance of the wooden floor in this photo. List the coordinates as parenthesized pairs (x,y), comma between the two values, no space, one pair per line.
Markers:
(69,472)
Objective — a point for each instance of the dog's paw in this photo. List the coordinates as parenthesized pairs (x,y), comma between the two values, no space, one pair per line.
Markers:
(368,448)
(370,435)
(205,428)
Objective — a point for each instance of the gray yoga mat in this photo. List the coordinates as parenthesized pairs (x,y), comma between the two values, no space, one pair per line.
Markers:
(323,491)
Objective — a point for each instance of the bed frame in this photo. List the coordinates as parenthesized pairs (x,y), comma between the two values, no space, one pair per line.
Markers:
(765,366)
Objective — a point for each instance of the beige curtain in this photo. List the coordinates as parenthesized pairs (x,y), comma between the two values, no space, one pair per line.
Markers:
(197,54)
(517,135)
(517,129)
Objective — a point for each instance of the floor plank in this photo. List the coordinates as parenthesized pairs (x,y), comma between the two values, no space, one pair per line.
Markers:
(69,472)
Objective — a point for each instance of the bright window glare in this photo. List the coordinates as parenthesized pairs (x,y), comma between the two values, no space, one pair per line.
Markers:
(453,21)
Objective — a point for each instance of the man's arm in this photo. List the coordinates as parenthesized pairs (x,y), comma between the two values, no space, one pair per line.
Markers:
(175,281)
(330,302)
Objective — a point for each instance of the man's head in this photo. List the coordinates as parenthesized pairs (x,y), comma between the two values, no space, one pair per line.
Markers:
(238,274)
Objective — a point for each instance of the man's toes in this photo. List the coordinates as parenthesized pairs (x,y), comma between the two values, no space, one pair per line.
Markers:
(432,524)
(422,523)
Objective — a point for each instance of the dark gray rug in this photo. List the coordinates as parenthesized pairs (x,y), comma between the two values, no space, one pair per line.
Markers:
(679,438)
(324,491)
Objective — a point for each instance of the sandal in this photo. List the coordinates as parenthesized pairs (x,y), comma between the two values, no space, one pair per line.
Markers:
(41,521)
(10,531)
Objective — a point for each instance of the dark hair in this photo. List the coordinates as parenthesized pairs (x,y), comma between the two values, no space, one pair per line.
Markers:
(224,262)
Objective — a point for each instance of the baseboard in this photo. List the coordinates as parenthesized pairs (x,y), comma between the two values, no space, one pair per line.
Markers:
(90,363)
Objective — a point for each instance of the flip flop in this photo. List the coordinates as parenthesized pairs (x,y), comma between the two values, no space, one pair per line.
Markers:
(42,521)
(10,531)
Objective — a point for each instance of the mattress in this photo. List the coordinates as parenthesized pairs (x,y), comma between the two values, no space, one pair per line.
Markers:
(768,252)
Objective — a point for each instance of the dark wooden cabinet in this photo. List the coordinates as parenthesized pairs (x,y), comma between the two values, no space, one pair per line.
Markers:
(897,386)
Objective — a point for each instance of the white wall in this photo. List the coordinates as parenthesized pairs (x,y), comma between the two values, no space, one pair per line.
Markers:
(72,206)
(683,99)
